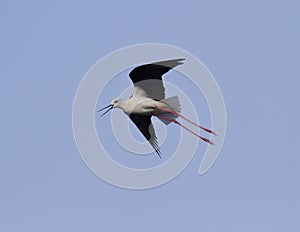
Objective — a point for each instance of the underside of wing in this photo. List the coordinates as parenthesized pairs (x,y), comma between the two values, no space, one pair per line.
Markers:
(151,88)
(144,124)
(148,77)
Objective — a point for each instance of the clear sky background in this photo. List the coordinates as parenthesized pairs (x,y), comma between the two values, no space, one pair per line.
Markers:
(251,48)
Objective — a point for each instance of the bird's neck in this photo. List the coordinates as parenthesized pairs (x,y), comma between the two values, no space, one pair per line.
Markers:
(122,104)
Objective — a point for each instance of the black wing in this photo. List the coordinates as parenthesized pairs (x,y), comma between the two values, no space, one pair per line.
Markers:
(147,79)
(143,123)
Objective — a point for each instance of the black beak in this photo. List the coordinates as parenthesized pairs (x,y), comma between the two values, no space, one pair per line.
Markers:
(109,106)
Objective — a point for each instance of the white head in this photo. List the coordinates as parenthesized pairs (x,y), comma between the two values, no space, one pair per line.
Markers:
(116,103)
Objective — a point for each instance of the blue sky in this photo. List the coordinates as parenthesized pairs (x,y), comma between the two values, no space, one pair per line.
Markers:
(251,48)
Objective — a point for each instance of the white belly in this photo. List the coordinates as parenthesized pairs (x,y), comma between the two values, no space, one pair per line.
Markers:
(144,106)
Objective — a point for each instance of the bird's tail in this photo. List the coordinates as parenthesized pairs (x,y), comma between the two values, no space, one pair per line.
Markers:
(174,103)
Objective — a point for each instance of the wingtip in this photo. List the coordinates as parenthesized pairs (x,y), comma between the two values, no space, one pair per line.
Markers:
(158,153)
(172,63)
(180,59)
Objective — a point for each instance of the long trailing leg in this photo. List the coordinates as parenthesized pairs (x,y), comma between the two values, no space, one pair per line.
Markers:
(180,115)
(178,123)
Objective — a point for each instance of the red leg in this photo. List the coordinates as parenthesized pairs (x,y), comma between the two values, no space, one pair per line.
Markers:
(178,123)
(179,115)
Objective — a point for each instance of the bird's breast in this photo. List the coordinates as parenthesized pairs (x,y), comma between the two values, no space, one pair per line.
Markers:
(142,106)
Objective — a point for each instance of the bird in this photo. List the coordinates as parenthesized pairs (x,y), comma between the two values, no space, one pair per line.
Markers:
(148,100)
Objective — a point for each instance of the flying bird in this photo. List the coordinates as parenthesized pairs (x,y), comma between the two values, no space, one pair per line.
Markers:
(148,99)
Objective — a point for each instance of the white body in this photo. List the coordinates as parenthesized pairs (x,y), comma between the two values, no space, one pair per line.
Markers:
(143,106)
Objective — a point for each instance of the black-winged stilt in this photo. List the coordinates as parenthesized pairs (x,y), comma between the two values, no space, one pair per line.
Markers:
(149,100)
